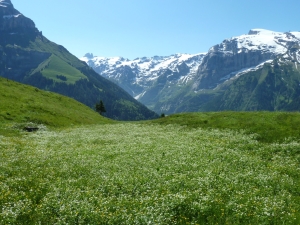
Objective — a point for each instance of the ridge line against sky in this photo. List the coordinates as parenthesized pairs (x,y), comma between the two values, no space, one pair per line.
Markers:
(137,28)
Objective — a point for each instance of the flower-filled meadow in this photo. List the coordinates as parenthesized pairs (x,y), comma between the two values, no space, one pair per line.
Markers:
(131,173)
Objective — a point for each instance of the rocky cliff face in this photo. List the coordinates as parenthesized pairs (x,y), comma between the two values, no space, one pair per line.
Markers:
(17,31)
(16,63)
(232,55)
(15,28)
(218,64)
(12,20)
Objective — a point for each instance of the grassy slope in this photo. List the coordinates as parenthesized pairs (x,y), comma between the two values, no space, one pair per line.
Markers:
(58,50)
(269,126)
(59,63)
(22,104)
(57,66)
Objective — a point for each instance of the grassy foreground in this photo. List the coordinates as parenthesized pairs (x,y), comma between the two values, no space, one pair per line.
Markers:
(138,173)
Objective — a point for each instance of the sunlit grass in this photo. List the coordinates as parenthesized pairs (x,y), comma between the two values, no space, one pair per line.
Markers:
(21,105)
(147,174)
(269,127)
(59,67)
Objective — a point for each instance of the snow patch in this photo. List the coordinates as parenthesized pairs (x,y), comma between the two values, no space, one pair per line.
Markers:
(140,95)
(4,3)
(237,74)
(258,40)
(254,68)
(296,34)
(11,16)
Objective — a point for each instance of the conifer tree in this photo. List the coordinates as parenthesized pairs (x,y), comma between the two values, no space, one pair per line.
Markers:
(100,108)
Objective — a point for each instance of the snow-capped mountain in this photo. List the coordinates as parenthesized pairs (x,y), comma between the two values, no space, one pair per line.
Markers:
(165,83)
(227,59)
(139,74)
(259,39)
(147,66)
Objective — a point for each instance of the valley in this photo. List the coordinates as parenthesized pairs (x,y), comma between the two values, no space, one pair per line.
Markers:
(224,151)
(190,168)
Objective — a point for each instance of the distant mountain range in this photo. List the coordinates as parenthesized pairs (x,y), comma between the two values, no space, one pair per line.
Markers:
(29,57)
(137,75)
(254,71)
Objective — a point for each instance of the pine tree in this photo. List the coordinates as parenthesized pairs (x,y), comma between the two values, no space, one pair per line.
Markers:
(100,108)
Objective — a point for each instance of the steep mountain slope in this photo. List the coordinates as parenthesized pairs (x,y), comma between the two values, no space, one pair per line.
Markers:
(273,87)
(222,69)
(238,53)
(29,57)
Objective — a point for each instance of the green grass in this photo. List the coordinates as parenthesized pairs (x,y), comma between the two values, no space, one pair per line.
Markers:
(56,66)
(135,173)
(47,46)
(22,104)
(60,63)
(268,126)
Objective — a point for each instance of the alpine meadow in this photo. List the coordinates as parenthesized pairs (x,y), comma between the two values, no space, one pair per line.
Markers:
(78,145)
(151,173)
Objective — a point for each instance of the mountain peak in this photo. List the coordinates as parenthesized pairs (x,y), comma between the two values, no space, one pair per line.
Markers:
(89,55)
(262,32)
(15,28)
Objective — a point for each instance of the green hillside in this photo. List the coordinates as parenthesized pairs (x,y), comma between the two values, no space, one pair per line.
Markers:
(61,61)
(22,104)
(60,71)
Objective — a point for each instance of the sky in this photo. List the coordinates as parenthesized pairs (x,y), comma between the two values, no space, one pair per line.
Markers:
(138,28)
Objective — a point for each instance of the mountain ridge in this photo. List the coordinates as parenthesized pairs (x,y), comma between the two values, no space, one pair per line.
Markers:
(217,69)
(143,71)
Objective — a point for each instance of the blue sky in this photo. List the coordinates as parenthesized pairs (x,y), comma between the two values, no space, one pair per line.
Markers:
(137,28)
